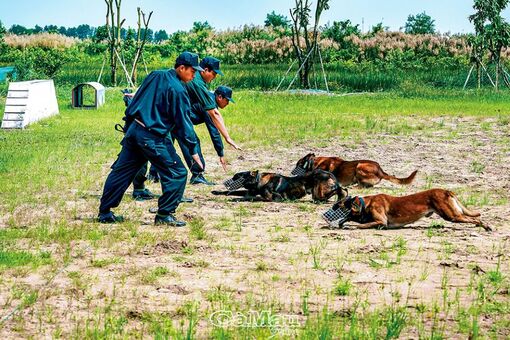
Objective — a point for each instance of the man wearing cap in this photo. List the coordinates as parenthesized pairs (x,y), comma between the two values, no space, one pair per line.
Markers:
(202,101)
(222,96)
(160,105)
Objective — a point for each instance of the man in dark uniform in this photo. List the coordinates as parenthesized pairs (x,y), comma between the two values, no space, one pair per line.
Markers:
(221,97)
(202,101)
(140,192)
(159,106)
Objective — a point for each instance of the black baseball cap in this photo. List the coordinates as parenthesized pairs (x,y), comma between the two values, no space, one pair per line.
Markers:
(188,59)
(212,64)
(225,92)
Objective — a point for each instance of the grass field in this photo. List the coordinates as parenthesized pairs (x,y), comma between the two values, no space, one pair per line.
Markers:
(341,77)
(253,270)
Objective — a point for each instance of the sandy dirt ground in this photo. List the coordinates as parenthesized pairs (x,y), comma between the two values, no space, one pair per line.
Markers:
(256,255)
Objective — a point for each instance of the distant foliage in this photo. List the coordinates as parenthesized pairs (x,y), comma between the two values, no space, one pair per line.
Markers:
(160,36)
(2,31)
(36,62)
(420,24)
(277,20)
(3,45)
(377,28)
(340,30)
(406,50)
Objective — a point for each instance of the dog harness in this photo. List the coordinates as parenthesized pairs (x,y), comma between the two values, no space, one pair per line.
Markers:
(279,185)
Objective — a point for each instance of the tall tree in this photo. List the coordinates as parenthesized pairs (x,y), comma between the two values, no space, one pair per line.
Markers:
(51,29)
(301,15)
(420,24)
(37,29)
(3,46)
(160,36)
(100,34)
(492,31)
(340,30)
(18,30)
(84,31)
(199,26)
(62,30)
(277,20)
(2,30)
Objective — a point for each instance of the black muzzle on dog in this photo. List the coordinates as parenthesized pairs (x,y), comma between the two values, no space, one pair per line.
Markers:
(336,217)
(232,184)
(298,171)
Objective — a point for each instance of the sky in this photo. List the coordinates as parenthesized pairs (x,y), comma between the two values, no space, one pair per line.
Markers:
(172,15)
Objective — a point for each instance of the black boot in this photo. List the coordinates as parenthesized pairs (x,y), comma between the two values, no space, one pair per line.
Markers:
(169,220)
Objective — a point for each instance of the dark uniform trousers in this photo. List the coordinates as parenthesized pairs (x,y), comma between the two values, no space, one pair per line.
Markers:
(140,178)
(138,146)
(193,167)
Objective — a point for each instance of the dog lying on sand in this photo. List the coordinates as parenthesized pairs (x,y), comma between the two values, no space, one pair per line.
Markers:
(389,211)
(365,173)
(274,187)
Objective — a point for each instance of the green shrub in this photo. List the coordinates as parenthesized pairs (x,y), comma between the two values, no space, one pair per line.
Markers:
(40,63)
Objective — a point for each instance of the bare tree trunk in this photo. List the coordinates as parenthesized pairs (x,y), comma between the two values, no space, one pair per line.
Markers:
(111,44)
(300,17)
(478,75)
(140,41)
(113,27)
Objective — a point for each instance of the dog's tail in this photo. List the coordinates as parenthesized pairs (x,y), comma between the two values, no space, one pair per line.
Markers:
(396,180)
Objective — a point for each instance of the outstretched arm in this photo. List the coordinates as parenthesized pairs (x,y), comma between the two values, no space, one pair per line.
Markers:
(218,121)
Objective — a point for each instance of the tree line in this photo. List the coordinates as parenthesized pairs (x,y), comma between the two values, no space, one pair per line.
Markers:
(85,31)
(415,24)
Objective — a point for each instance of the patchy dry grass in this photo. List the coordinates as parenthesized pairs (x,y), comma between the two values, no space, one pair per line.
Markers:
(252,270)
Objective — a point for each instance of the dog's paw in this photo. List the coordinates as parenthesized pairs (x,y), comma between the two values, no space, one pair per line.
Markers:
(347,226)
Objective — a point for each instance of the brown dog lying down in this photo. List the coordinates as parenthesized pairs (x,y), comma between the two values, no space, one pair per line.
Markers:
(390,211)
(274,187)
(362,172)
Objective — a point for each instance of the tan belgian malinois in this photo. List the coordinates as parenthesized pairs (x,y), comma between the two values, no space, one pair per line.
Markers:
(365,173)
(389,211)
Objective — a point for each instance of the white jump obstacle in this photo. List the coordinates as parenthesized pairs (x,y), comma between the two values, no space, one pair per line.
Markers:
(28,102)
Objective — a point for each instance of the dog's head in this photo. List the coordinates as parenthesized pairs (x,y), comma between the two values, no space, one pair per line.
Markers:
(355,205)
(250,179)
(325,185)
(340,212)
(304,164)
(246,179)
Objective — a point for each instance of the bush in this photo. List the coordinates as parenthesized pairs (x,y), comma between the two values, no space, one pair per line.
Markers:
(36,62)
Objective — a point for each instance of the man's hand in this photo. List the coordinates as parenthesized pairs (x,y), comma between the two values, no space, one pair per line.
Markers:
(197,160)
(233,144)
(223,163)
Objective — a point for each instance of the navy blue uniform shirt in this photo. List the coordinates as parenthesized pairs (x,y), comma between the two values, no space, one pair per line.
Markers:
(161,103)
